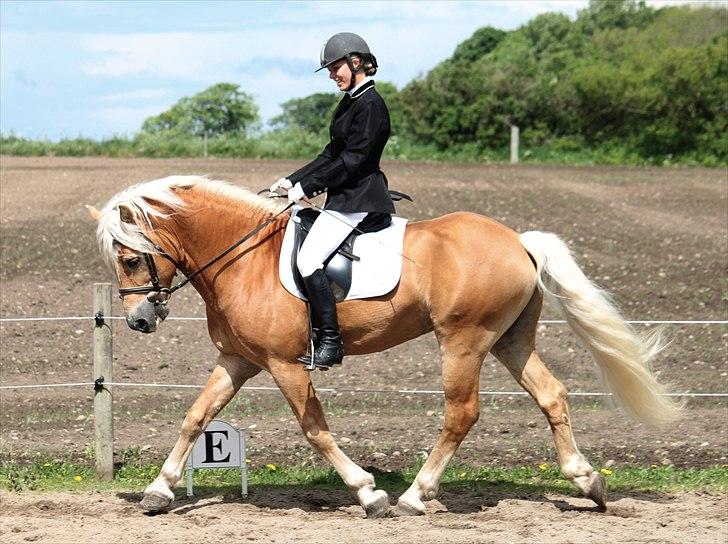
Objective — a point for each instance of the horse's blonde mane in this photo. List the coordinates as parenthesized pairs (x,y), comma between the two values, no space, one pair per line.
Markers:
(154,199)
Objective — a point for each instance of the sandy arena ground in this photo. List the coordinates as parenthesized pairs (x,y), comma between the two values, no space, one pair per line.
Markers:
(278,516)
(654,237)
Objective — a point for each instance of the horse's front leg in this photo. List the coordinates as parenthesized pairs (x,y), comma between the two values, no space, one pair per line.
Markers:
(229,375)
(295,384)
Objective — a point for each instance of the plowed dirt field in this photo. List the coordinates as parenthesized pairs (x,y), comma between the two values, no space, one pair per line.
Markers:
(654,237)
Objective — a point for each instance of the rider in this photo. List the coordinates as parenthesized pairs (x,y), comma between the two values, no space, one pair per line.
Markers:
(348,170)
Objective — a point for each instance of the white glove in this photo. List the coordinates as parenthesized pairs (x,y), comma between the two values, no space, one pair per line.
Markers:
(295,193)
(282,183)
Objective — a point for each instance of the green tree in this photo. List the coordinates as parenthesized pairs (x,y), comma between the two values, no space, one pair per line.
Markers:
(482,42)
(625,75)
(220,109)
(603,14)
(687,109)
(311,113)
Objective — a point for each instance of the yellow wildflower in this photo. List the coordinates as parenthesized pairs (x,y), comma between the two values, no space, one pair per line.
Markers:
(270,467)
(606,471)
(543,466)
(46,464)
(78,478)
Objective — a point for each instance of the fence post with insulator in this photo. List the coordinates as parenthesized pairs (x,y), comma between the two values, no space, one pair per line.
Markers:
(103,358)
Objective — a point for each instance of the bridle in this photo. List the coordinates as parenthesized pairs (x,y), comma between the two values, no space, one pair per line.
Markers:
(164,293)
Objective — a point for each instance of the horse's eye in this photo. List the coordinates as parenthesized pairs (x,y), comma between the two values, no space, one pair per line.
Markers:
(132,263)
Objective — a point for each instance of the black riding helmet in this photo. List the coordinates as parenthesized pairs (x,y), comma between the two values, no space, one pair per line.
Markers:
(342,46)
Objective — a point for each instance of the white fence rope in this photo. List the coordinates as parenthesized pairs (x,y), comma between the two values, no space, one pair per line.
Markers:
(334,390)
(340,390)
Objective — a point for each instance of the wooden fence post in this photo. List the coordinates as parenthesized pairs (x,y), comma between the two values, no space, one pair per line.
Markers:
(514,144)
(103,360)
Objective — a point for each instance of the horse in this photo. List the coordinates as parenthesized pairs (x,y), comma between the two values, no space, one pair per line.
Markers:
(477,284)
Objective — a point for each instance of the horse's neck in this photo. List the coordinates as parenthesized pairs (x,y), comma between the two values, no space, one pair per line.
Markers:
(208,228)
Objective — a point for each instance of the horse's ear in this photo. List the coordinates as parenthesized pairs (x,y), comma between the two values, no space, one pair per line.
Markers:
(126,214)
(95,214)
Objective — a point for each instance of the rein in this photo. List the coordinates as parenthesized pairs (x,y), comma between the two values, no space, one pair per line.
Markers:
(165,292)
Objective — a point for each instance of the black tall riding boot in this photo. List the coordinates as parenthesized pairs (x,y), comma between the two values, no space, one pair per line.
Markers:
(330,350)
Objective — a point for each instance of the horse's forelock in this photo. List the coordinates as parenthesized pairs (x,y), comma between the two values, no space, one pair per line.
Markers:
(145,201)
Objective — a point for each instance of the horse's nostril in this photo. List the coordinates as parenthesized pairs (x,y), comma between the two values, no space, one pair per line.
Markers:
(142,324)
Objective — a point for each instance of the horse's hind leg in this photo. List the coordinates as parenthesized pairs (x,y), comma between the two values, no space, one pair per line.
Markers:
(463,352)
(515,349)
(228,376)
(295,384)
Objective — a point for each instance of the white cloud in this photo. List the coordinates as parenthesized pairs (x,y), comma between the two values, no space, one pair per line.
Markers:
(187,54)
(139,94)
(664,3)
(220,56)
(417,12)
(525,10)
(124,119)
(407,37)
(274,65)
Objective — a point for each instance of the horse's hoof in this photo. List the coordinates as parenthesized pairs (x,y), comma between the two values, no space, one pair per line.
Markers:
(379,508)
(598,490)
(154,502)
(407,509)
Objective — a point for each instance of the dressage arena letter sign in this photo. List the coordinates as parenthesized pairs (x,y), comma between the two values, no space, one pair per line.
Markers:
(219,446)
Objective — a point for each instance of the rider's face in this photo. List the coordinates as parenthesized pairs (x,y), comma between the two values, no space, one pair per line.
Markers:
(341,74)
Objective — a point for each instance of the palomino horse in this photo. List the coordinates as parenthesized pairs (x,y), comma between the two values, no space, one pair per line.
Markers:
(474,282)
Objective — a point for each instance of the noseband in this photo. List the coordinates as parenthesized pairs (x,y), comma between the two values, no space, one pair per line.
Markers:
(165,292)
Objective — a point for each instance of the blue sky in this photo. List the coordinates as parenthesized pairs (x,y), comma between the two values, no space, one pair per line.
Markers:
(95,68)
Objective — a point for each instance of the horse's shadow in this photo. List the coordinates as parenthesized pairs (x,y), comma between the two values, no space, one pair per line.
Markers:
(284,497)
(463,497)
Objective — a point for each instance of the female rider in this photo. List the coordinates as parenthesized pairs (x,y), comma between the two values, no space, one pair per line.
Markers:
(348,171)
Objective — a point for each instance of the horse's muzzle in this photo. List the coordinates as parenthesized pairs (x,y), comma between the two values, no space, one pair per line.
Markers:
(146,316)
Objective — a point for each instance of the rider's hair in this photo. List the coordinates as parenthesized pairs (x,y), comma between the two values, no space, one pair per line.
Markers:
(368,63)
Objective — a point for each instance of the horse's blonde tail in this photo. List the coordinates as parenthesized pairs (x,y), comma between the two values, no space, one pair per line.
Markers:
(622,356)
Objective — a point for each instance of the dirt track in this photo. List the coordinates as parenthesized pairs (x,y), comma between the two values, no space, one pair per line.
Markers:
(656,238)
(279,516)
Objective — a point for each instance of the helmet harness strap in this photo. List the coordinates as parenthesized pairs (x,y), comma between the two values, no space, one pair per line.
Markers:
(354,71)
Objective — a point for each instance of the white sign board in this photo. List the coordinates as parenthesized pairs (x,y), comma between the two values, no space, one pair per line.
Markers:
(219,446)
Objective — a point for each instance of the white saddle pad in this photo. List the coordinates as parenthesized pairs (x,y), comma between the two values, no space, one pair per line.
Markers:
(375,274)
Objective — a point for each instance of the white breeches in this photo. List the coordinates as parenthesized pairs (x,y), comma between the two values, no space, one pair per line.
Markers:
(328,231)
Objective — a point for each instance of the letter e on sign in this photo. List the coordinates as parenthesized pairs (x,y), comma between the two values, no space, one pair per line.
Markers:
(217,447)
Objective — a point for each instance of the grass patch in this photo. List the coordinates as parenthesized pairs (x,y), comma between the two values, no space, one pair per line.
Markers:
(295,143)
(134,475)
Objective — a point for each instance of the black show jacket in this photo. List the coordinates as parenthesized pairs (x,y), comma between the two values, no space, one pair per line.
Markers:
(348,167)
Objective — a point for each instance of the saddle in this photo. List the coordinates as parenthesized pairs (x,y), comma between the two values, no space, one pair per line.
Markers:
(338,267)
(365,265)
